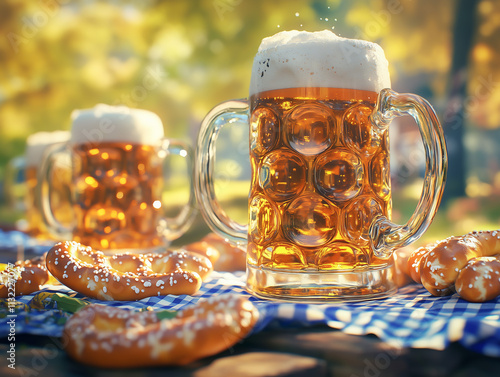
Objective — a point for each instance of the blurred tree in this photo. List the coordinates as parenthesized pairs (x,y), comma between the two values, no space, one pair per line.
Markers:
(454,116)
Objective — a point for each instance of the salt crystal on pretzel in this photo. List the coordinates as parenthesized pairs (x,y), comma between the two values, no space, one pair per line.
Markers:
(126,277)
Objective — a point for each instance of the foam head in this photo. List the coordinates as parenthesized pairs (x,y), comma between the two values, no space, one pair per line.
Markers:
(37,143)
(297,59)
(105,123)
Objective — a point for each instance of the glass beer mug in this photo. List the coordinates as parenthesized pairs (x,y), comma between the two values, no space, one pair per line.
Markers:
(319,224)
(23,193)
(116,157)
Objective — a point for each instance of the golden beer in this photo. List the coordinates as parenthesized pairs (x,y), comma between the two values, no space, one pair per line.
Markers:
(117,195)
(321,176)
(36,227)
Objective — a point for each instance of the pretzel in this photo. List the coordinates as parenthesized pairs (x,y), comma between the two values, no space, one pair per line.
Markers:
(105,336)
(126,277)
(438,265)
(401,273)
(224,255)
(479,280)
(415,261)
(24,277)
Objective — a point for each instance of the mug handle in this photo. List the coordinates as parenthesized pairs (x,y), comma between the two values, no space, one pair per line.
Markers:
(173,228)
(215,217)
(51,156)
(386,236)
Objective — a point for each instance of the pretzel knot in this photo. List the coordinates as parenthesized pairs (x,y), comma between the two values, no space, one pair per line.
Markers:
(126,277)
(106,336)
(469,264)
(24,277)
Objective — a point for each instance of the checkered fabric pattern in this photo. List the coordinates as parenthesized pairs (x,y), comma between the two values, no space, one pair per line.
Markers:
(410,318)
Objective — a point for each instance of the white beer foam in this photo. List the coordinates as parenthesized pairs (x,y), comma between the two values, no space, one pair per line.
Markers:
(37,143)
(104,123)
(295,59)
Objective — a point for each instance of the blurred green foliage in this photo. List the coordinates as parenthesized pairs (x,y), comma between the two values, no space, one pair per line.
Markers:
(180,58)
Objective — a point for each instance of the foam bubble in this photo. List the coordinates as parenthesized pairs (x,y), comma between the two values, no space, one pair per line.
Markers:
(105,123)
(37,143)
(293,59)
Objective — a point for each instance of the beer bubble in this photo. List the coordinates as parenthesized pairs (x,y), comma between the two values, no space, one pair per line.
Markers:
(282,175)
(309,128)
(310,220)
(297,14)
(338,174)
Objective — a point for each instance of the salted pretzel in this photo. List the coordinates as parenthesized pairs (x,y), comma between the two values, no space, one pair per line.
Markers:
(126,277)
(401,274)
(105,336)
(24,277)
(479,280)
(437,266)
(415,260)
(223,255)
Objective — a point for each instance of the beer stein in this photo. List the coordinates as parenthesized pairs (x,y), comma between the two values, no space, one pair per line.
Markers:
(319,225)
(117,161)
(22,184)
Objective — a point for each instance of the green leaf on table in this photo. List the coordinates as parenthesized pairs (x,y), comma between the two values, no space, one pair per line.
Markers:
(68,304)
(166,314)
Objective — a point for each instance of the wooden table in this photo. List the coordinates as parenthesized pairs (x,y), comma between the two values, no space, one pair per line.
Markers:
(310,352)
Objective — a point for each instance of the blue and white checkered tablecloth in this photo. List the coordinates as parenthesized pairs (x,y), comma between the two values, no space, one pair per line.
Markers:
(410,318)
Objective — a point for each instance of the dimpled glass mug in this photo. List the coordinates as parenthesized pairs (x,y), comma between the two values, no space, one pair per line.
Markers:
(319,224)
(116,155)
